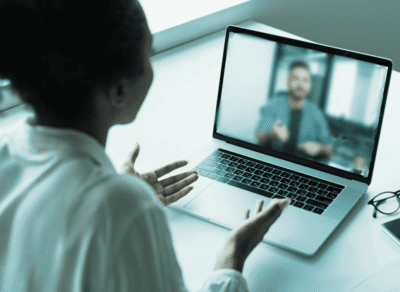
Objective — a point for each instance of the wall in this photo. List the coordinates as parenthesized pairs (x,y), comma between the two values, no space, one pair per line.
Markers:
(367,26)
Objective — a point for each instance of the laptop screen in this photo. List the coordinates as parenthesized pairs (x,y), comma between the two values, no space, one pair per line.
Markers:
(294,101)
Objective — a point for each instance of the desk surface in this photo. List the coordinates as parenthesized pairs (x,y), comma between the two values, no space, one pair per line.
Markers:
(177,117)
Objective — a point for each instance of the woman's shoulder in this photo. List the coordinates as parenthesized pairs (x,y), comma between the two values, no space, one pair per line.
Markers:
(129,189)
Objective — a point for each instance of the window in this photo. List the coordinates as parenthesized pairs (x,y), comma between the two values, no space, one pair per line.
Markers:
(162,15)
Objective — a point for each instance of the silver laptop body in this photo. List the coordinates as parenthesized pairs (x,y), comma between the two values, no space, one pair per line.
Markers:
(349,88)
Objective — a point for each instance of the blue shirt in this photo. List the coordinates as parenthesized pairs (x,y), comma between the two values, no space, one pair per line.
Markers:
(313,125)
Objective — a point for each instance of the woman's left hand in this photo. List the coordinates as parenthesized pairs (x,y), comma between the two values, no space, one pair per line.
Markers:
(168,190)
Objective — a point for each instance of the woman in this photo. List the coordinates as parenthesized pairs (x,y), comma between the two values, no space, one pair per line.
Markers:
(69,221)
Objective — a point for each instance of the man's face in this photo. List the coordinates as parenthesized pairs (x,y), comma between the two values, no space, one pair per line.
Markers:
(299,82)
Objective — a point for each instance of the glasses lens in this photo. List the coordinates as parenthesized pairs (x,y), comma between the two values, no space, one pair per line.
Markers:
(386,202)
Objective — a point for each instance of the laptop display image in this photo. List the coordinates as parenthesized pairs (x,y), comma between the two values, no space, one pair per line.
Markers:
(293,120)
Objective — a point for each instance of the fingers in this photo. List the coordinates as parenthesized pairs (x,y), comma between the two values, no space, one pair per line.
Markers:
(134,153)
(174,179)
(176,187)
(275,208)
(247,214)
(175,197)
(259,206)
(170,167)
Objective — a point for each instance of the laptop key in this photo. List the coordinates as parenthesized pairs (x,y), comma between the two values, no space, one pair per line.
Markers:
(312,183)
(259,166)
(322,192)
(274,183)
(308,207)
(323,199)
(278,197)
(214,158)
(250,188)
(276,177)
(225,156)
(239,172)
(268,169)
(331,195)
(303,180)
(292,189)
(259,172)
(313,190)
(264,187)
(291,196)
(220,172)
(333,190)
(303,186)
(250,169)
(294,184)
(322,186)
(276,171)
(237,178)
(273,190)
(222,167)
(213,176)
(233,164)
(207,167)
(264,180)
(301,198)
(285,174)
(223,179)
(285,181)
(283,193)
(210,162)
(256,177)
(241,167)
(230,169)
(251,163)
(217,153)
(247,181)
(310,195)
(318,211)
(268,175)
(225,161)
(316,203)
(298,204)
(283,186)
(301,192)
(204,173)
(255,184)
(242,161)
(233,158)
(247,175)
(294,177)
(229,175)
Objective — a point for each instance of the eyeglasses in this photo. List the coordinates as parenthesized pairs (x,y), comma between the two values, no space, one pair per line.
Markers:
(386,203)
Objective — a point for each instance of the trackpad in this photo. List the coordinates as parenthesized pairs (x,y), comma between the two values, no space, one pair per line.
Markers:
(225,204)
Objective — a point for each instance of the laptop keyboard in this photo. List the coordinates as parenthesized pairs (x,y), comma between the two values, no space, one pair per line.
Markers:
(306,192)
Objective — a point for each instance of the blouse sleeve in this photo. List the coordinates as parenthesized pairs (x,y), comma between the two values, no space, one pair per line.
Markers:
(142,253)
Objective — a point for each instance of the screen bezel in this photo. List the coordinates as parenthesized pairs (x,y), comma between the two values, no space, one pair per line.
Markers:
(318,47)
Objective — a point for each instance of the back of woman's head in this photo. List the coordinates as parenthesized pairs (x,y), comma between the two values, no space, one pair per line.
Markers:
(58,53)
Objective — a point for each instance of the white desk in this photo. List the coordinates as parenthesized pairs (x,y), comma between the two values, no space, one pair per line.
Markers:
(178,116)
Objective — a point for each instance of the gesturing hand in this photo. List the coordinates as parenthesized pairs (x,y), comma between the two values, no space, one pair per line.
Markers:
(311,148)
(245,238)
(280,131)
(168,190)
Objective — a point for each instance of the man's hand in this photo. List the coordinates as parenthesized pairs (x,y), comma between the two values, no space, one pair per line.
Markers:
(281,132)
(168,190)
(244,239)
(315,148)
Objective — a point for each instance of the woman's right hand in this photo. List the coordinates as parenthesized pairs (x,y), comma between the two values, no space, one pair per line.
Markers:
(245,238)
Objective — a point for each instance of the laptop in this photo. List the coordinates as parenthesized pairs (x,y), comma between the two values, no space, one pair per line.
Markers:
(294,120)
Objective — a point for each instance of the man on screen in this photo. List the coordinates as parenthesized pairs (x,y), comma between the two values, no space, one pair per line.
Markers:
(291,123)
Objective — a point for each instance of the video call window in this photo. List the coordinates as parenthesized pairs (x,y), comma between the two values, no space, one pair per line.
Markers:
(301,102)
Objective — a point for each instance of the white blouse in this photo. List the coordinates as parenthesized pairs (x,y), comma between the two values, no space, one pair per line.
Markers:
(70,222)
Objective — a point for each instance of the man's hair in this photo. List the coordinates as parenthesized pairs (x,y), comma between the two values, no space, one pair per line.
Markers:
(299,64)
(58,53)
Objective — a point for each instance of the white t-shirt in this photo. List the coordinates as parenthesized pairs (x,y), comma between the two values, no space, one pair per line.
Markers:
(69,221)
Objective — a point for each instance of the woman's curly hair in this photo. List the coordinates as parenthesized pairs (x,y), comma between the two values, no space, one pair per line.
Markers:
(58,53)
